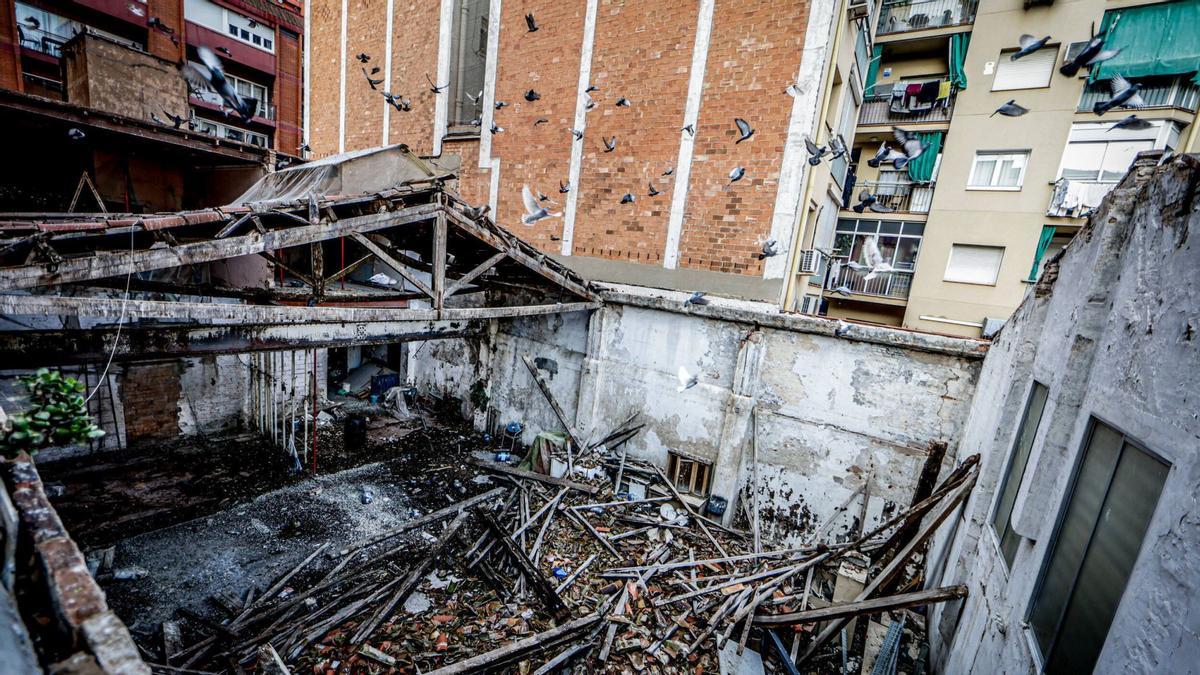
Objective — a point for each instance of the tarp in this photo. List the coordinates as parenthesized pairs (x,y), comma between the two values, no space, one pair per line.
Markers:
(1162,39)
(873,69)
(958,59)
(920,170)
(1043,244)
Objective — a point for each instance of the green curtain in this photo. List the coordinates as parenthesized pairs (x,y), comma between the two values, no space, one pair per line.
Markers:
(873,69)
(1043,244)
(958,59)
(920,170)
(1162,39)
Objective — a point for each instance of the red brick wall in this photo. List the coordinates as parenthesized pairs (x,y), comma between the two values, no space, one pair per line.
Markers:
(289,85)
(10,48)
(366,28)
(473,182)
(150,396)
(159,43)
(414,53)
(325,54)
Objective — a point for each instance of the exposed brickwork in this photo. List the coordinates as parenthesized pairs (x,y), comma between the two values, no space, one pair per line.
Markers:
(365,31)
(159,42)
(288,90)
(324,56)
(473,182)
(10,48)
(414,54)
(150,392)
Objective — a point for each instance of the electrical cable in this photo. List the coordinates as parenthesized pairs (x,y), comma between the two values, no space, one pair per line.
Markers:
(120,320)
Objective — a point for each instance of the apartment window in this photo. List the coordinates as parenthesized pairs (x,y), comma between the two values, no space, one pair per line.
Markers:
(1029,72)
(43,31)
(998,170)
(1011,482)
(1100,531)
(1100,161)
(244,88)
(469,60)
(238,26)
(691,476)
(230,133)
(971,264)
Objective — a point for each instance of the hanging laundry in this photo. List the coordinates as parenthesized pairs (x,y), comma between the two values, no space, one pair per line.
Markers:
(929,91)
(943,89)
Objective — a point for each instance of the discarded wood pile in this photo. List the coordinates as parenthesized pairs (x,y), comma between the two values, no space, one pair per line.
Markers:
(548,574)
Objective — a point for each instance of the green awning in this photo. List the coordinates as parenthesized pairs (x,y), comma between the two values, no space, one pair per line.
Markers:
(920,170)
(958,59)
(873,69)
(1162,39)
(1043,243)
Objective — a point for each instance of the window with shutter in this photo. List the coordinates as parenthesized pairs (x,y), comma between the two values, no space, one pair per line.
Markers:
(1028,72)
(970,264)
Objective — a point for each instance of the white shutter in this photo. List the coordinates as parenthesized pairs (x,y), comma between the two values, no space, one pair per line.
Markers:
(1028,72)
(974,264)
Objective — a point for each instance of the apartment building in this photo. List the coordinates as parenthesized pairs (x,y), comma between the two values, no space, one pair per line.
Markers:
(473,81)
(94,87)
(970,225)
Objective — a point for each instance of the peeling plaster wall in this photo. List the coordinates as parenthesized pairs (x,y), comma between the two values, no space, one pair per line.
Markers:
(1112,330)
(829,409)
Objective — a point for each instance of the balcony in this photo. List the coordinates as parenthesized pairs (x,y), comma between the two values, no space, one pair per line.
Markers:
(900,197)
(43,41)
(1158,92)
(879,109)
(901,17)
(1076,198)
(895,285)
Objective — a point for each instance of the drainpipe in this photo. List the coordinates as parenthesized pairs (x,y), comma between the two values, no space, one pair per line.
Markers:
(788,296)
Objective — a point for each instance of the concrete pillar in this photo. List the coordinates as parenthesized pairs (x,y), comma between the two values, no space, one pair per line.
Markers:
(737,426)
(487,357)
(593,369)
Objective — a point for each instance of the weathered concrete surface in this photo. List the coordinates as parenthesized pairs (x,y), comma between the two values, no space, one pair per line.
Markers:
(1112,331)
(828,410)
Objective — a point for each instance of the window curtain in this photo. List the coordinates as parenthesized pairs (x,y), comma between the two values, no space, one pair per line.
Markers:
(1160,39)
(920,170)
(873,69)
(958,58)
(1043,244)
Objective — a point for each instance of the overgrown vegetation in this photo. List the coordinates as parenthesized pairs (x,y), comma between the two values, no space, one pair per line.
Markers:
(57,415)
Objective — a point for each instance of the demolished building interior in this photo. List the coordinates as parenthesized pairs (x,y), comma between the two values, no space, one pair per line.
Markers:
(354,425)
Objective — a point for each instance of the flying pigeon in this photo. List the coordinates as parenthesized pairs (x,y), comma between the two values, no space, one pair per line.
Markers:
(1010,109)
(500,104)
(842,330)
(176,120)
(75,134)
(531,23)
(32,22)
(156,119)
(533,210)
(628,198)
(476,97)
(434,88)
(155,22)
(866,200)
(1029,45)
(397,101)
(793,89)
(696,299)
(532,96)
(363,58)
(874,259)
(653,191)
(670,170)
(837,147)
(373,82)
(475,213)
(1132,122)
(686,381)
(564,188)
(210,75)
(743,128)
(496,128)
(225,51)
(885,155)
(770,248)
(589,104)
(690,129)
(544,198)
(375,71)
(477,122)
(610,144)
(844,291)
(1124,95)
(577,134)
(736,174)
(1091,54)
(623,102)
(815,152)
(591,88)
(540,120)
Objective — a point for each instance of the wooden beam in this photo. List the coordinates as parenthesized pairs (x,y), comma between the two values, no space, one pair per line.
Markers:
(873,606)
(558,411)
(537,582)
(519,649)
(317,249)
(109,264)
(433,517)
(346,270)
(439,263)
(296,273)
(387,258)
(467,278)
(496,467)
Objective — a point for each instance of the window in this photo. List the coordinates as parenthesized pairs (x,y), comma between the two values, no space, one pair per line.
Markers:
(998,170)
(971,264)
(245,89)
(43,31)
(1011,482)
(1099,534)
(691,476)
(1028,72)
(238,26)
(469,60)
(1100,161)
(225,131)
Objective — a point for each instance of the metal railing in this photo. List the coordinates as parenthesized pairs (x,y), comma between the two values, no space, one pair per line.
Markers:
(900,17)
(1158,92)
(265,110)
(893,285)
(877,109)
(900,197)
(42,40)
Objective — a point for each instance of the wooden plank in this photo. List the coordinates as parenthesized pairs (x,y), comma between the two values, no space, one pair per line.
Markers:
(537,582)
(386,256)
(861,607)
(439,262)
(578,570)
(467,278)
(688,507)
(426,519)
(496,467)
(558,411)
(516,650)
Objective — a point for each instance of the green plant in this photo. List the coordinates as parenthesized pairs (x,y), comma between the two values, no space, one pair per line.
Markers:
(479,396)
(57,416)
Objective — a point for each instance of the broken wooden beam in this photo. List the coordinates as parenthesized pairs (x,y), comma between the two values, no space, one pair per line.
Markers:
(433,517)
(517,650)
(558,411)
(537,582)
(497,467)
(861,607)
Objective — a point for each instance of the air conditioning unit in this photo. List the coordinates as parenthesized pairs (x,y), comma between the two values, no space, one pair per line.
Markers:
(810,304)
(810,261)
(859,9)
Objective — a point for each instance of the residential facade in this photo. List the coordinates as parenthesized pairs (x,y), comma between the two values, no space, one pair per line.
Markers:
(969,226)
(471,81)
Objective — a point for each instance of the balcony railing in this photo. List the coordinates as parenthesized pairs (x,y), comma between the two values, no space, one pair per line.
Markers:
(265,110)
(900,197)
(42,41)
(900,17)
(1158,92)
(894,285)
(878,109)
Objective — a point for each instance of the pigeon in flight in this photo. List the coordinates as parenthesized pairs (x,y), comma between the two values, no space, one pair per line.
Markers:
(176,120)
(843,291)
(589,104)
(436,89)
(842,330)
(532,96)
(1029,45)
(1091,54)
(837,147)
(475,98)
(304,147)
(770,248)
(497,129)
(690,129)
(500,104)
(564,188)
(1124,95)
(591,88)
(736,174)
(531,23)
(477,122)
(887,155)
(210,75)
(686,381)
(874,259)
(363,58)
(533,210)
(33,23)
(373,82)
(1010,109)
(225,51)
(75,134)
(623,102)
(1132,122)
(610,144)
(744,129)
(577,134)
(696,299)
(815,152)
(375,71)
(866,200)
(654,192)
(670,170)
(540,120)
(156,119)
(397,101)
(628,198)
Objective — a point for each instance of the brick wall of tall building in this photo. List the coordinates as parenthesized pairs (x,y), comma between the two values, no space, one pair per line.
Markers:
(289,87)
(323,82)
(160,42)
(10,48)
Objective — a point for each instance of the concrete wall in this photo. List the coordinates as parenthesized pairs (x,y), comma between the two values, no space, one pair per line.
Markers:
(107,76)
(829,410)
(1111,330)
